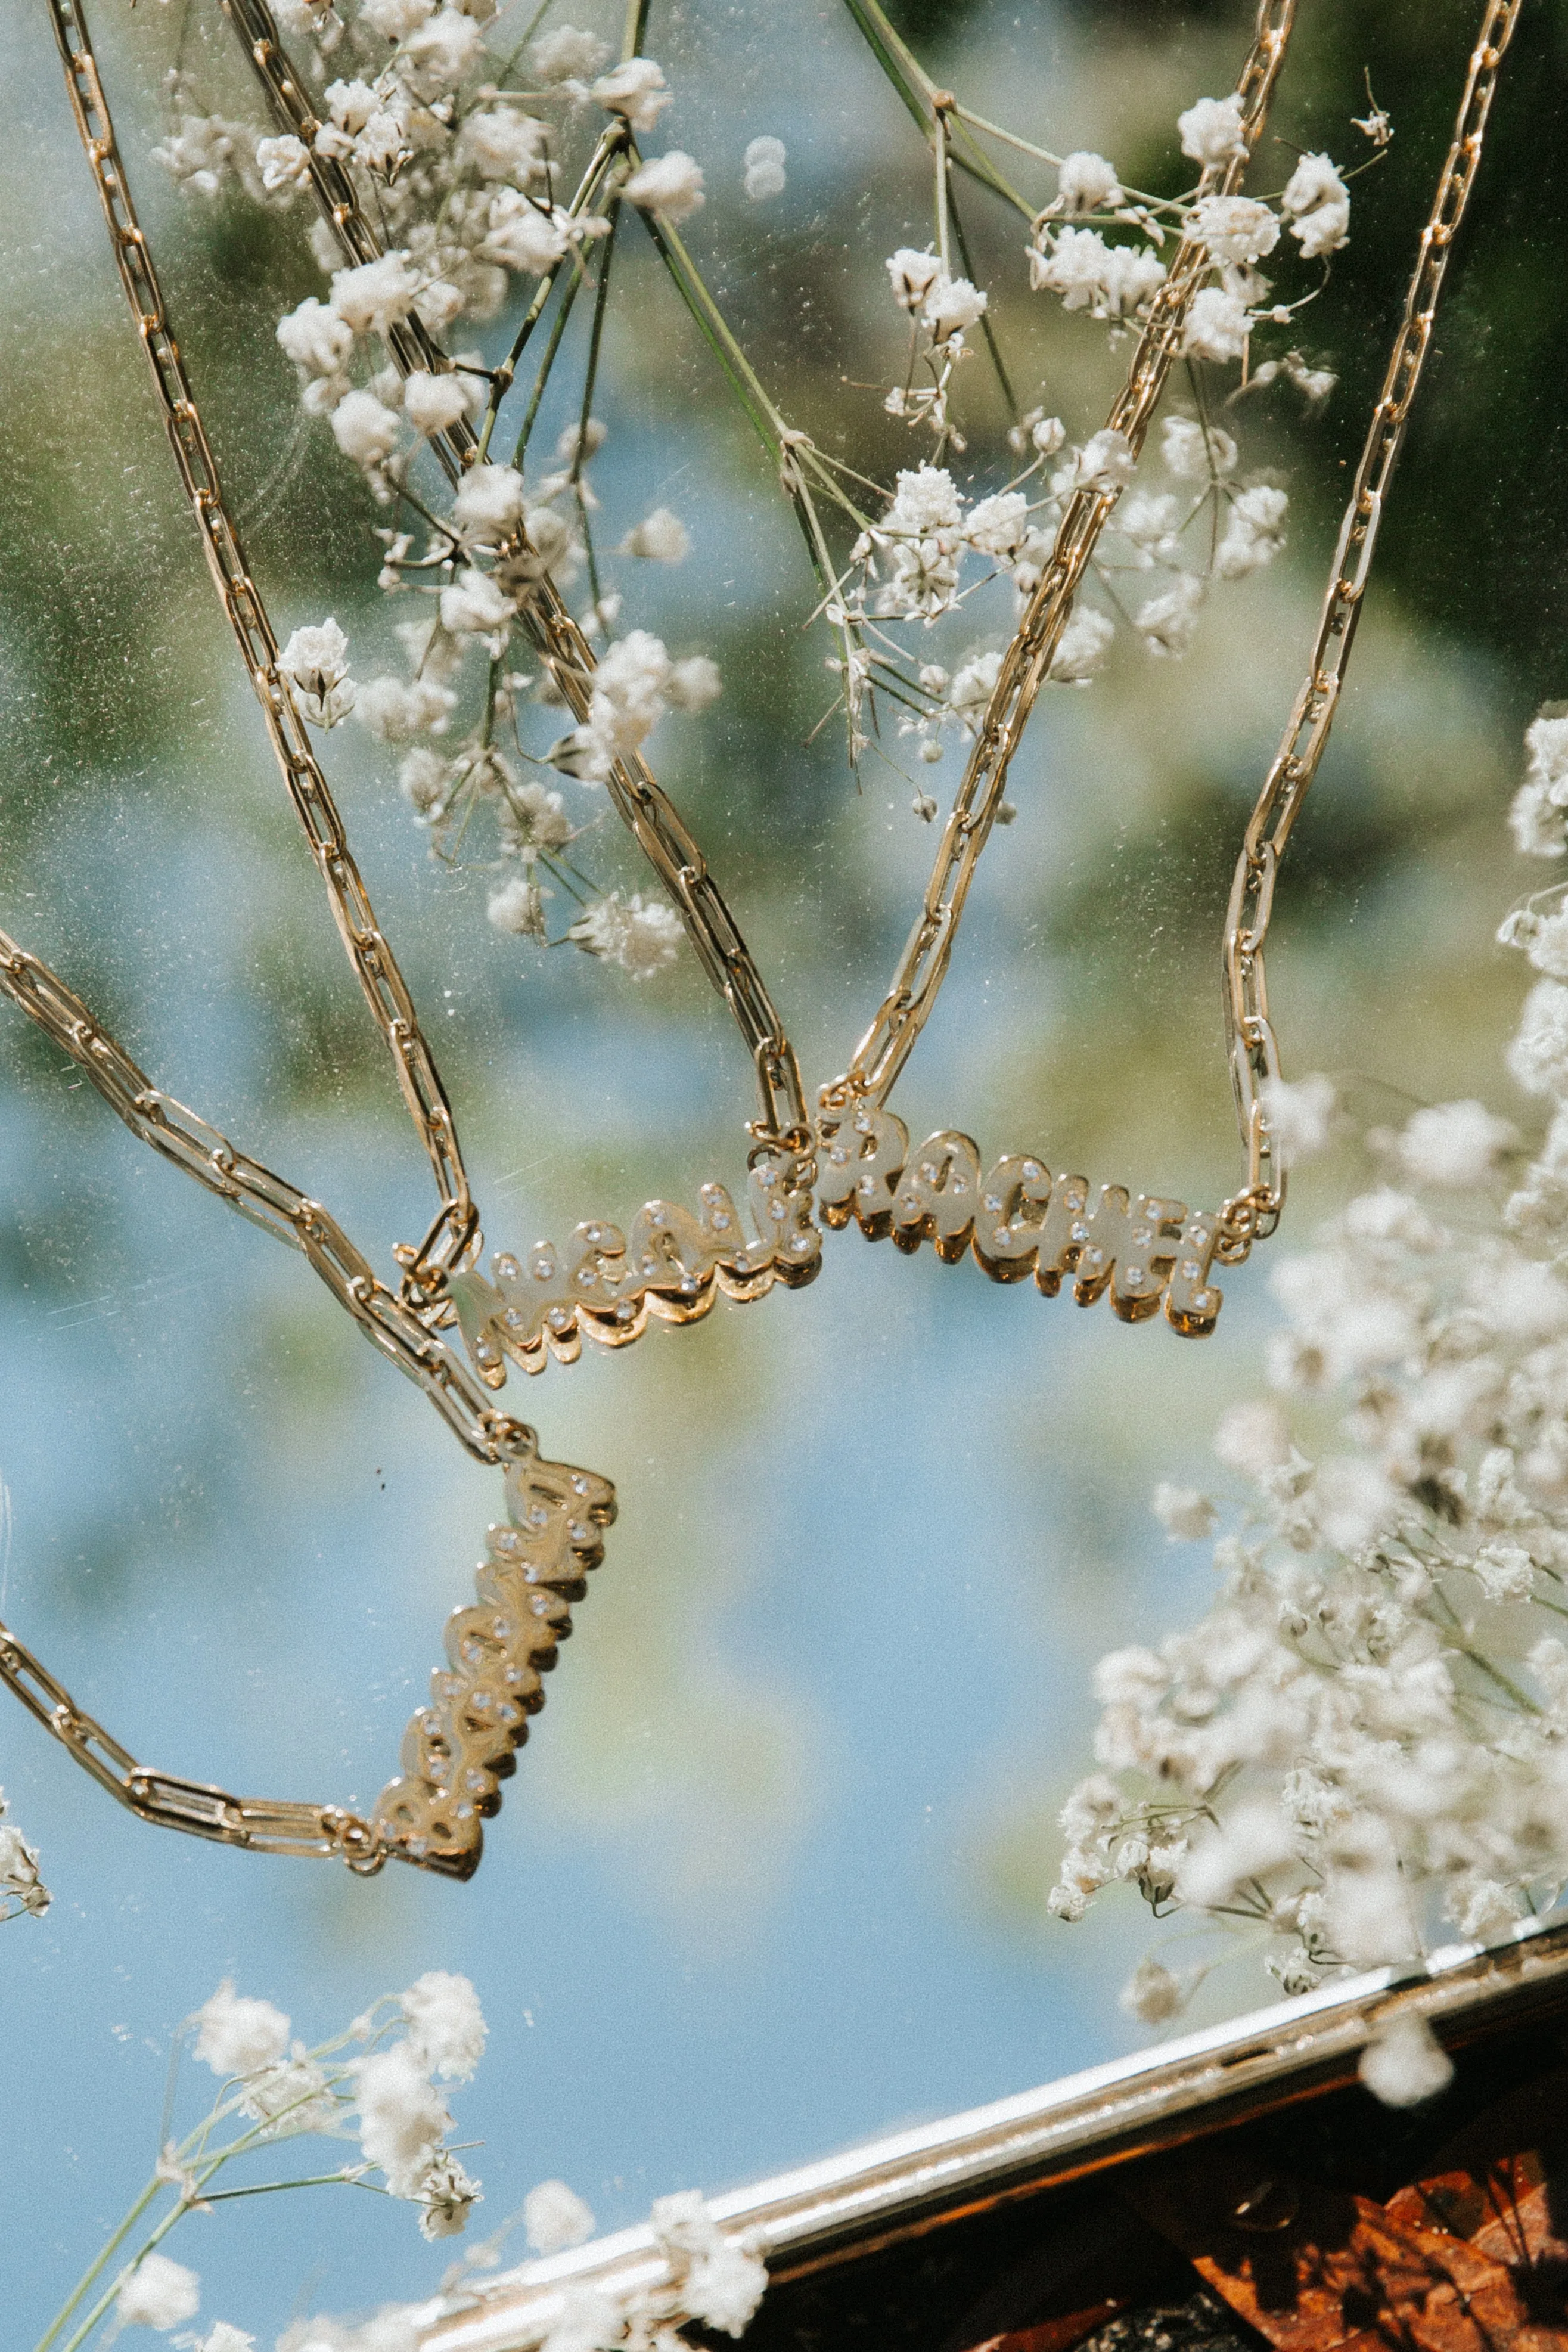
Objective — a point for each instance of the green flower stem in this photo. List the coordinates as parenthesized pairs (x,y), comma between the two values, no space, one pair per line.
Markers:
(992,346)
(535,21)
(94,2269)
(636,24)
(190,2153)
(591,378)
(918,91)
(562,314)
(775,434)
(610,144)
(307,2181)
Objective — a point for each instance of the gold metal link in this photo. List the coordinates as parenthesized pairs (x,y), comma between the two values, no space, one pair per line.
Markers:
(455,1752)
(903,1011)
(1252,1049)
(374,960)
(643,806)
(180,1136)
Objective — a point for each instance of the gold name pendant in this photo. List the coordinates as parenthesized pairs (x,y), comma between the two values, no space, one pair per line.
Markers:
(674,1266)
(1145,1252)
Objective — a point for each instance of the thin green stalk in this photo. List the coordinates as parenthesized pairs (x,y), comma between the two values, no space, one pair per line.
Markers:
(636,24)
(590,377)
(535,21)
(610,144)
(770,428)
(92,2271)
(918,91)
(1010,138)
(939,151)
(191,2152)
(307,2181)
(562,314)
(992,346)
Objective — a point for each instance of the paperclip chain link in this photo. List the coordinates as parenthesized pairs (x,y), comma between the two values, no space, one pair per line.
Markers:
(267,1825)
(1252,1049)
(266,1200)
(643,806)
(905,1009)
(386,990)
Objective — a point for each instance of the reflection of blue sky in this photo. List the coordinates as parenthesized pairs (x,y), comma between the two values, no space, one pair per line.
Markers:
(743,1901)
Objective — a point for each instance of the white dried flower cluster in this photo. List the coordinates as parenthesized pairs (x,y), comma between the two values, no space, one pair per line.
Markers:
(932,549)
(765,176)
(1367,1735)
(642,936)
(402,2118)
(159,2292)
(1112,271)
(315,662)
(463,180)
(21,1888)
(715,2281)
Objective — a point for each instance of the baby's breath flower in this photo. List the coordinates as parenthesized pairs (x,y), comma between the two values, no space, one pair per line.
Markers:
(567,54)
(661,536)
(394,20)
(160,2292)
(693,683)
(395,710)
(555,2218)
(441,53)
(446,2027)
(503,144)
(1109,281)
(238,2036)
(1405,2063)
(1454,1144)
(1191,452)
(284,165)
(20,1883)
(490,504)
(377,294)
(403,2116)
(1298,1115)
(952,306)
(1217,326)
(1086,183)
(642,936)
(1166,622)
(1319,201)
(1234,229)
(1084,643)
(447,2197)
(316,661)
(764,174)
(671,185)
(1185,1513)
(1211,130)
(911,274)
(364,430)
(475,607)
(1254,531)
(636,90)
(315,338)
(1152,1994)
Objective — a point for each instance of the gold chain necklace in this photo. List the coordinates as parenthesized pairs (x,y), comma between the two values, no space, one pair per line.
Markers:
(604,1284)
(456,1751)
(1145,1251)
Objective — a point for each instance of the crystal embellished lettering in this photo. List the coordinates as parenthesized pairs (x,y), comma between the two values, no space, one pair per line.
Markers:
(605,1285)
(1142,1252)
(457,1751)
